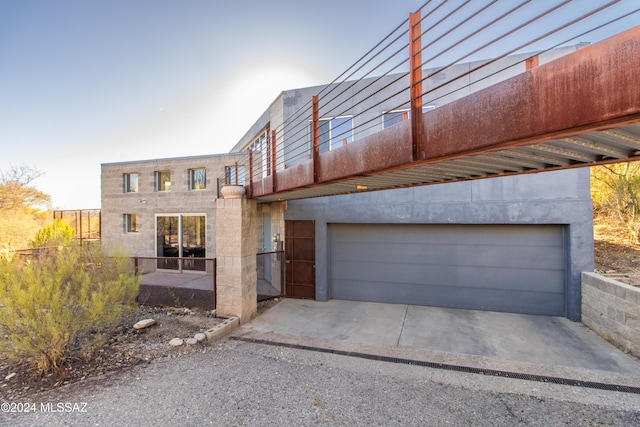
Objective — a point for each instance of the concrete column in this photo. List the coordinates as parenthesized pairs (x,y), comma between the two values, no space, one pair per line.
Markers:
(236,243)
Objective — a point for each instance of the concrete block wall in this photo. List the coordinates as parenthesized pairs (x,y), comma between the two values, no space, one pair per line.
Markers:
(237,236)
(612,310)
(148,202)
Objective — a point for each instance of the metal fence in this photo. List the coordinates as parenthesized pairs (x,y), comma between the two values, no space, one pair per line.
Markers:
(143,265)
(270,267)
(87,223)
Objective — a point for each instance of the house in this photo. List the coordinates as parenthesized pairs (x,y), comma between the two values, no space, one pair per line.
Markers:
(513,244)
(146,203)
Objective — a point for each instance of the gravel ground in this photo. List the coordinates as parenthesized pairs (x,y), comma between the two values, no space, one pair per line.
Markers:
(232,383)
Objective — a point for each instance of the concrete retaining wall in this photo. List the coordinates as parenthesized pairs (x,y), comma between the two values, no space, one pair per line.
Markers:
(612,310)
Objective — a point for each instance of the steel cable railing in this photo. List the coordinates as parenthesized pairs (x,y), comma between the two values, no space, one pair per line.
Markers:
(357,102)
(530,56)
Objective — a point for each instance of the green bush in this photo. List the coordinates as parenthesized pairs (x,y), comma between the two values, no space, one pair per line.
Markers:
(60,233)
(60,306)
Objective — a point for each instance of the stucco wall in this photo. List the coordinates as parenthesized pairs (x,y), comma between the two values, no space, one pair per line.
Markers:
(148,202)
(612,310)
(561,197)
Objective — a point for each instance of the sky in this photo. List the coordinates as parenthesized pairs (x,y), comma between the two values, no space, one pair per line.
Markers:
(85,82)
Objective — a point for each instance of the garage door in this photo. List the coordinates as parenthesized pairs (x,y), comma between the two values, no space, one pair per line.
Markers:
(511,268)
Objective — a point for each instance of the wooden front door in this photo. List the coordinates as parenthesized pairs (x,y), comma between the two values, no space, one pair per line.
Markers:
(300,253)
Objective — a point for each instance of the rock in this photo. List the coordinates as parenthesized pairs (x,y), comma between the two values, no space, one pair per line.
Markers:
(176,342)
(200,336)
(144,324)
(11,375)
(192,341)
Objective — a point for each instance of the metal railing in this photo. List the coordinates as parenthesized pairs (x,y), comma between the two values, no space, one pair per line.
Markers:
(270,267)
(144,265)
(417,67)
(87,223)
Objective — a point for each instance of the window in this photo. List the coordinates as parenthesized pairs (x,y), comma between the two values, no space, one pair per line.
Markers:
(197,179)
(232,178)
(163,181)
(261,146)
(130,223)
(181,236)
(333,133)
(130,182)
(394,117)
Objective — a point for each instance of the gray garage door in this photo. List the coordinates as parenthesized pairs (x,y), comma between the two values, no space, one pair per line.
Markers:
(512,268)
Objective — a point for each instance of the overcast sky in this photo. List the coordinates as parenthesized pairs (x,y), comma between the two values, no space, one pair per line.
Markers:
(87,82)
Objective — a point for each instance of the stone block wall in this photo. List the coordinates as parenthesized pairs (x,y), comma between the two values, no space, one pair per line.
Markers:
(612,310)
(147,202)
(236,235)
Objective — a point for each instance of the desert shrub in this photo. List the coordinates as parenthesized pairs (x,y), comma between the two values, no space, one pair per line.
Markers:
(60,306)
(615,190)
(60,233)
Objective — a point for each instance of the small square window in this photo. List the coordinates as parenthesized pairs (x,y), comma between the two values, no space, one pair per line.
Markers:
(163,181)
(197,179)
(130,223)
(130,182)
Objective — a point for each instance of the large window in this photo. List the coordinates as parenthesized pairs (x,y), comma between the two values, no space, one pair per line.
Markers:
(163,180)
(130,182)
(130,223)
(333,133)
(181,236)
(197,179)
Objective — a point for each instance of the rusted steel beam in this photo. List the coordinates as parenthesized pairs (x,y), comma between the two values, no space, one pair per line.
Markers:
(250,187)
(298,176)
(532,62)
(415,61)
(316,138)
(388,148)
(273,161)
(592,89)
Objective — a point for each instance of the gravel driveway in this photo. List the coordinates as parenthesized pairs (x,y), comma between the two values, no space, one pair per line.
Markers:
(233,383)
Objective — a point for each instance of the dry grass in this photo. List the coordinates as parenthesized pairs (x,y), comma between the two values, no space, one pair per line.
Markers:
(616,254)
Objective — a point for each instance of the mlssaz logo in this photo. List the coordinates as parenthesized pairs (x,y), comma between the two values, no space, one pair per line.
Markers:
(63,407)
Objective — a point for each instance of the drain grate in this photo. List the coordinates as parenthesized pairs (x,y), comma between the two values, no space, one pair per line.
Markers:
(467,369)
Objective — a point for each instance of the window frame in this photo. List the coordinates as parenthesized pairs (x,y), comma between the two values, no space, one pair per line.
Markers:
(131,223)
(162,186)
(193,181)
(126,180)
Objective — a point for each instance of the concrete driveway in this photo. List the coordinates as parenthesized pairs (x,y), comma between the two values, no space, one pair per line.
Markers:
(527,344)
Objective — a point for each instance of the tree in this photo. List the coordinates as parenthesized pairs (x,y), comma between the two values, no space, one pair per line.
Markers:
(23,208)
(616,195)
